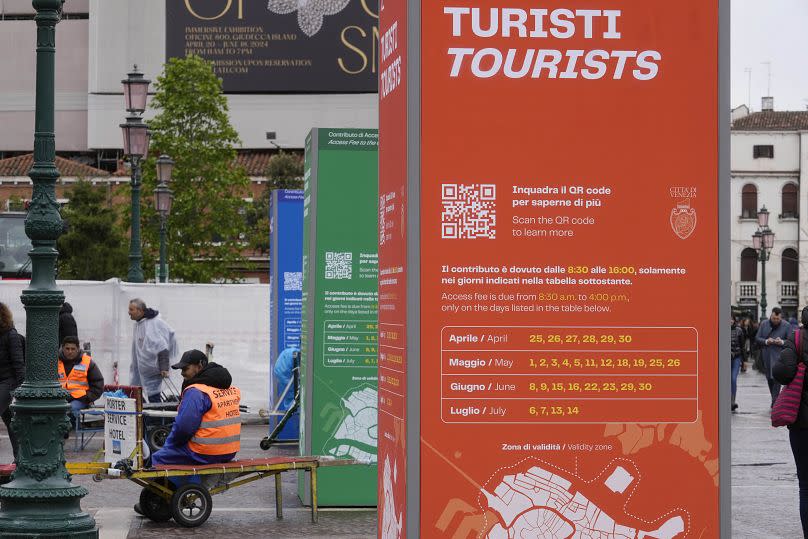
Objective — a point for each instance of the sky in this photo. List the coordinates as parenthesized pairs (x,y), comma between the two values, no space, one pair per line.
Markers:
(773,31)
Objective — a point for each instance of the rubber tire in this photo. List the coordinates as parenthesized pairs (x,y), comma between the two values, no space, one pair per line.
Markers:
(203,502)
(265,444)
(156,437)
(154,506)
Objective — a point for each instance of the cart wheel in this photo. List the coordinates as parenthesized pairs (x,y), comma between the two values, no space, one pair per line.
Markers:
(156,438)
(265,444)
(191,505)
(154,506)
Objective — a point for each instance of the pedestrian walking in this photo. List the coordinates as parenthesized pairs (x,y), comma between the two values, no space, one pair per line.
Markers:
(746,353)
(771,337)
(153,348)
(784,372)
(754,347)
(736,356)
(67,324)
(12,369)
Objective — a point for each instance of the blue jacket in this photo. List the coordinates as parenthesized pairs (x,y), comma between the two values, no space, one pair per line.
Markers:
(193,406)
(283,373)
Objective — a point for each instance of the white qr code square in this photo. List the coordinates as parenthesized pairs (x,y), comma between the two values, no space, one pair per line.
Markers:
(338,265)
(292,281)
(469,211)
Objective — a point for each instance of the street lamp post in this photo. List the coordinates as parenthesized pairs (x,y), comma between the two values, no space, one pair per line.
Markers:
(163,196)
(136,146)
(763,241)
(40,500)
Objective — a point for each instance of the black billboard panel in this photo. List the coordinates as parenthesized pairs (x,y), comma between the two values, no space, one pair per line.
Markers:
(284,46)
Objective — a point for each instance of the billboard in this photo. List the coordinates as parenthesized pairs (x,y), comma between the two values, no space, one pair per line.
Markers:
(286,290)
(560,329)
(264,46)
(340,312)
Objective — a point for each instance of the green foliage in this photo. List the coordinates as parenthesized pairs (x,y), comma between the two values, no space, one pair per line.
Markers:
(285,171)
(192,126)
(94,247)
(16,203)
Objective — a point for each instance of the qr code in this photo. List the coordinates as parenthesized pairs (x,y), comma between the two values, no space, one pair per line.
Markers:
(292,281)
(469,211)
(338,265)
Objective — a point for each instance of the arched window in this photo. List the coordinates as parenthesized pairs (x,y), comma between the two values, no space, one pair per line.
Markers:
(789,266)
(749,201)
(790,201)
(749,260)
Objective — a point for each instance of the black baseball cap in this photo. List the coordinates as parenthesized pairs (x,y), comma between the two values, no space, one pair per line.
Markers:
(191,357)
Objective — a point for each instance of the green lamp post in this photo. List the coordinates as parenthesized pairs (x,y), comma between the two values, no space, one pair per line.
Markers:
(763,242)
(136,146)
(40,501)
(163,197)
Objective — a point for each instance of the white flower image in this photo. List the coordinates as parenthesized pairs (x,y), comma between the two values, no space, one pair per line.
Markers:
(310,13)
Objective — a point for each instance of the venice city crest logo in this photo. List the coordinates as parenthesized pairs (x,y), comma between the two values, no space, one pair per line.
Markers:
(683,215)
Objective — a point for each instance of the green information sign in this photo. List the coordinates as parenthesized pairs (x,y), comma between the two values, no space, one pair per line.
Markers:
(340,313)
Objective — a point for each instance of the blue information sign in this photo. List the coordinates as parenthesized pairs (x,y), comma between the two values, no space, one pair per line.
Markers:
(286,268)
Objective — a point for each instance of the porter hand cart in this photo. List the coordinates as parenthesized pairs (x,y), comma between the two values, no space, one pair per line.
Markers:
(181,492)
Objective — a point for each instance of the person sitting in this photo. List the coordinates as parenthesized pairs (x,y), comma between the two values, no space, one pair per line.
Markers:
(207,429)
(79,376)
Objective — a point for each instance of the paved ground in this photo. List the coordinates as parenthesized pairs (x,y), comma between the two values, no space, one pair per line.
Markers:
(764,490)
(764,480)
(247,511)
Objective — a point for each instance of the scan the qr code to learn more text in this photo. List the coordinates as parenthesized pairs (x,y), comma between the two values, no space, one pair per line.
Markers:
(469,211)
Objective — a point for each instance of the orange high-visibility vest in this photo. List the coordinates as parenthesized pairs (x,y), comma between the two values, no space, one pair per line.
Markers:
(76,383)
(220,430)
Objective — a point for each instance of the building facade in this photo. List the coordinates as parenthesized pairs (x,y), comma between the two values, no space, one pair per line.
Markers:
(99,41)
(769,156)
(283,74)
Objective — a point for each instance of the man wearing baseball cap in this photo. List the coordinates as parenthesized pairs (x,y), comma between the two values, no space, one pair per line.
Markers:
(208,425)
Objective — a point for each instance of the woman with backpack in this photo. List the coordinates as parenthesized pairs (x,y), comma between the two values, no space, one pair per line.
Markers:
(784,371)
(12,368)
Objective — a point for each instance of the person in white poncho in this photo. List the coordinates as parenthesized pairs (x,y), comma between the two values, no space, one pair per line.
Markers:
(153,348)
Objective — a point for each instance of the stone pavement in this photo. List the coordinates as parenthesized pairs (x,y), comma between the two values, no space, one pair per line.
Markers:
(764,489)
(246,511)
(764,479)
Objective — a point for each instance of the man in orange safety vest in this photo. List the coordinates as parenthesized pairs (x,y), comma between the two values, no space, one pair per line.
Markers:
(208,425)
(78,375)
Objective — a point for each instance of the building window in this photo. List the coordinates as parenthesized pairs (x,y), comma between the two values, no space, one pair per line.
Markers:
(789,266)
(763,151)
(790,201)
(749,202)
(749,260)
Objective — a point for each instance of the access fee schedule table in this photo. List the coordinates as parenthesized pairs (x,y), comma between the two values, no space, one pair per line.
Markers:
(517,374)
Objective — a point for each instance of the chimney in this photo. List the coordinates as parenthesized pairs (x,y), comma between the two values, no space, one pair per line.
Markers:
(767,104)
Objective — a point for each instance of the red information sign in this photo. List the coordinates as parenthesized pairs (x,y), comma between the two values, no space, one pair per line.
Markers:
(392,269)
(568,269)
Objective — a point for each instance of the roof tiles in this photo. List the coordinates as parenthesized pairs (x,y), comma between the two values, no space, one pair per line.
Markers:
(773,120)
(21,164)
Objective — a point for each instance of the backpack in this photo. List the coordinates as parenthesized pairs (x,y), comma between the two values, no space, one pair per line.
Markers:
(787,405)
